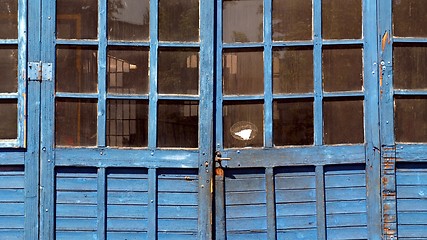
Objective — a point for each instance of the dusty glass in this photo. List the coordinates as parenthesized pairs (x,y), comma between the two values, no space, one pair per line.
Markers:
(76,122)
(243,124)
(127,70)
(242,21)
(292,70)
(177,124)
(410,66)
(243,72)
(179,20)
(342,69)
(178,71)
(9,19)
(76,69)
(77,19)
(8,69)
(292,20)
(343,121)
(293,122)
(409,18)
(342,19)
(127,123)
(9,119)
(410,115)
(128,20)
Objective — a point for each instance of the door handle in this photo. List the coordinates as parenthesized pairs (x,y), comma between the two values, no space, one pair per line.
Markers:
(219,158)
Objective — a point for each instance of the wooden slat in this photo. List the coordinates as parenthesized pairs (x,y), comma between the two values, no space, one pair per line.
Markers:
(347,233)
(412,231)
(127,224)
(177,225)
(297,234)
(296,209)
(127,235)
(296,222)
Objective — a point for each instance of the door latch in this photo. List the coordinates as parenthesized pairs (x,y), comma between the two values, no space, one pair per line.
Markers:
(219,158)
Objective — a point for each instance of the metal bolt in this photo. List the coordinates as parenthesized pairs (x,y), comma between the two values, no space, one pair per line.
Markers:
(152,153)
(386,122)
(384,67)
(47,210)
(203,186)
(152,201)
(44,148)
(382,63)
(49,17)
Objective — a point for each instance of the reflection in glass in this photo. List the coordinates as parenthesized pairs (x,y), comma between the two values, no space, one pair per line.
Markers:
(127,123)
(178,71)
(292,70)
(77,19)
(127,70)
(243,124)
(410,116)
(177,124)
(9,19)
(292,20)
(8,69)
(76,122)
(342,69)
(243,72)
(128,20)
(293,122)
(409,18)
(9,119)
(242,21)
(410,66)
(343,121)
(179,20)
(341,19)
(76,69)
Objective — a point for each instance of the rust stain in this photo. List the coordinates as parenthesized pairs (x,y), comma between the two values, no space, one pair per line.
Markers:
(385,40)
(381,77)
(219,172)
(385,180)
(386,208)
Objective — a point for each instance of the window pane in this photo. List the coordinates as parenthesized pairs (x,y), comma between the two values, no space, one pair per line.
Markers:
(243,72)
(292,20)
(76,69)
(410,66)
(128,20)
(8,69)
(178,71)
(342,69)
(243,124)
(411,119)
(293,122)
(343,121)
(127,123)
(9,119)
(242,21)
(127,70)
(410,18)
(341,19)
(9,19)
(177,124)
(77,19)
(179,20)
(292,70)
(76,122)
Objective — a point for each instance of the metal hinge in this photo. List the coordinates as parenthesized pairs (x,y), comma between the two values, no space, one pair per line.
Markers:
(39,71)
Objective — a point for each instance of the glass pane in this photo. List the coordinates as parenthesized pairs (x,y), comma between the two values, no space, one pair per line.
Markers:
(76,19)
(243,124)
(127,123)
(179,20)
(411,119)
(242,21)
(127,70)
(76,70)
(178,124)
(8,70)
(342,19)
(9,19)
(9,119)
(292,70)
(342,69)
(243,72)
(292,20)
(128,20)
(293,122)
(343,121)
(76,122)
(410,66)
(178,71)
(410,18)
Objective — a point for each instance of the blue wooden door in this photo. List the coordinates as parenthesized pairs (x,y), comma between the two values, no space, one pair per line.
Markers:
(126,131)
(297,121)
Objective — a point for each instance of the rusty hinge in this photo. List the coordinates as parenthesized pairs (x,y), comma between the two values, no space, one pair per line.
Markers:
(39,71)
